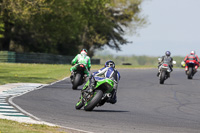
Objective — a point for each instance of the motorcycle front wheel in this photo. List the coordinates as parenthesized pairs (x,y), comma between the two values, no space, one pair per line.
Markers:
(162,77)
(79,104)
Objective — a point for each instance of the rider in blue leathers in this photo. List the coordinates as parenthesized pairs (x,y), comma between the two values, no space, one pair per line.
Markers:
(108,71)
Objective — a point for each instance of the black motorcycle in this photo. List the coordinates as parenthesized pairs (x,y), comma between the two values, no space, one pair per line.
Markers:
(79,77)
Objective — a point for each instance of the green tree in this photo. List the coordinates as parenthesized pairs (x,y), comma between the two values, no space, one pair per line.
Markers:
(106,21)
(14,13)
(66,26)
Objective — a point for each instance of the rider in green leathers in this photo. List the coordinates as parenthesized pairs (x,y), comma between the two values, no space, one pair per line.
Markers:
(81,58)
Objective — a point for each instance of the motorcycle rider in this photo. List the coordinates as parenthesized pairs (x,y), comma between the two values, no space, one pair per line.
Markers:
(108,71)
(166,59)
(81,58)
(192,57)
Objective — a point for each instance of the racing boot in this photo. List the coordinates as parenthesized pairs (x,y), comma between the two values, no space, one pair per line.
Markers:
(72,74)
(113,98)
(158,74)
(91,82)
(168,75)
(85,78)
(196,67)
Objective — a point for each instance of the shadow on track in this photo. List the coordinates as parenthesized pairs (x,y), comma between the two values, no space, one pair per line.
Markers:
(109,111)
(168,84)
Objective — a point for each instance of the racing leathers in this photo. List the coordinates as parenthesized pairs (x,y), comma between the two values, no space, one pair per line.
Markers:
(83,60)
(111,73)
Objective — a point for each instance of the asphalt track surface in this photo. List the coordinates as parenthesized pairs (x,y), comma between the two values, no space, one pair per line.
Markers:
(144,106)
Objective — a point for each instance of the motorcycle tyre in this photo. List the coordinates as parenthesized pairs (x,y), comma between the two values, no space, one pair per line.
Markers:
(76,81)
(80,105)
(95,100)
(190,75)
(162,77)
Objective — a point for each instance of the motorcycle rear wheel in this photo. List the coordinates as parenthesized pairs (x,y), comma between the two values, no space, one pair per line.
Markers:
(95,100)
(190,75)
(76,81)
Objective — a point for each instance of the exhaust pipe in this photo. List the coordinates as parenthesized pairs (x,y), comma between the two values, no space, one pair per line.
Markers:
(108,95)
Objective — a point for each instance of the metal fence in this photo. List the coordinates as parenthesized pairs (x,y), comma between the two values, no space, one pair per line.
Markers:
(14,57)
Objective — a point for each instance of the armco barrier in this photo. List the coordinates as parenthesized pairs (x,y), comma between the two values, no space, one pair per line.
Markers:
(13,57)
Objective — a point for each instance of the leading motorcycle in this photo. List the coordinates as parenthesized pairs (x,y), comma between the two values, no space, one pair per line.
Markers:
(79,77)
(95,95)
(164,71)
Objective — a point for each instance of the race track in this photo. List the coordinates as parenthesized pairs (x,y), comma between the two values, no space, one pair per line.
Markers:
(144,106)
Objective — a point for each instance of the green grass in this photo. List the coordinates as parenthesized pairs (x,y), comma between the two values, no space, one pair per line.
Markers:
(7,126)
(32,73)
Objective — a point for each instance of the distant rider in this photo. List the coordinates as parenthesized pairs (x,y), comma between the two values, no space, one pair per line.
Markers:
(108,71)
(83,59)
(192,57)
(166,59)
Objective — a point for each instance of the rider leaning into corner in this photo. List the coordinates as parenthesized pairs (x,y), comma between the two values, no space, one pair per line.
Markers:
(192,57)
(83,59)
(108,71)
(166,59)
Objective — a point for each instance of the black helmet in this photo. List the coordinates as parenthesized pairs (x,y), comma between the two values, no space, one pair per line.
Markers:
(167,53)
(110,64)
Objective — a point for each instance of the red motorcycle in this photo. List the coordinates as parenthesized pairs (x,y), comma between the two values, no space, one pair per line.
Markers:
(191,68)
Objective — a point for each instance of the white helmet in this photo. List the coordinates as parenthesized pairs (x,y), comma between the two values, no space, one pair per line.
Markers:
(84,53)
(192,52)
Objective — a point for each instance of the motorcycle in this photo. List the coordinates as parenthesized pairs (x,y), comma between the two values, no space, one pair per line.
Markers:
(164,71)
(190,68)
(95,95)
(78,78)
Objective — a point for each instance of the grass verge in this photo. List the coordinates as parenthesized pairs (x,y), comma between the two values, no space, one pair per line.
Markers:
(32,73)
(7,126)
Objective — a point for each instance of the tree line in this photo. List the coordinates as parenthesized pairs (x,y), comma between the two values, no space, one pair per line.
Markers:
(66,26)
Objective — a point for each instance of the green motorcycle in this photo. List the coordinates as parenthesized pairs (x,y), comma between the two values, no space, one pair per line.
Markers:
(95,95)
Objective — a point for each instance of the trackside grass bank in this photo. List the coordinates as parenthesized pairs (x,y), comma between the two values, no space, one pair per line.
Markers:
(36,73)
(32,73)
(7,126)
(40,73)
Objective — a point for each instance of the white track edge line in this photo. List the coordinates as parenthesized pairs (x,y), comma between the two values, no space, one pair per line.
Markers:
(10,100)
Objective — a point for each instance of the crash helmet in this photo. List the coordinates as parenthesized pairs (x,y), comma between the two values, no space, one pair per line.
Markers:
(167,53)
(84,52)
(192,52)
(110,63)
